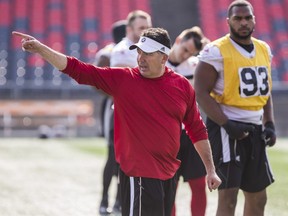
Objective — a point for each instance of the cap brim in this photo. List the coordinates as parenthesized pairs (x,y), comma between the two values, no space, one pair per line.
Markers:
(143,47)
(149,46)
(134,46)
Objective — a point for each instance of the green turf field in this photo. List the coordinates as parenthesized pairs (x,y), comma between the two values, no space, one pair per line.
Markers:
(277,193)
(36,172)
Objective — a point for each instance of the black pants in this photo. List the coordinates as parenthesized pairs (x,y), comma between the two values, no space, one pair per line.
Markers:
(146,196)
(240,163)
(111,169)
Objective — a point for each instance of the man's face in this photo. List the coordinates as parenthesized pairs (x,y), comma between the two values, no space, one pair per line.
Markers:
(137,27)
(151,64)
(241,22)
(184,49)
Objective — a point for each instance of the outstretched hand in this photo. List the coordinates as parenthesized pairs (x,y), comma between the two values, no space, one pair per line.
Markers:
(29,43)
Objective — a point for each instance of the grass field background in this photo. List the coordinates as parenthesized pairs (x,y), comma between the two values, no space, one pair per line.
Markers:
(58,177)
(277,193)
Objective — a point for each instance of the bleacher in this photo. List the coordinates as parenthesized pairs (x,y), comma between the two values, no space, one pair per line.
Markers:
(208,18)
(79,28)
(74,27)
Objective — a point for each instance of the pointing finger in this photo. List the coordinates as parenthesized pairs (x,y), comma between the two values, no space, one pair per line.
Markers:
(21,34)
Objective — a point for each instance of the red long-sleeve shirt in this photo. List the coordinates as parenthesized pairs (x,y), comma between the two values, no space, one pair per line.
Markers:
(148,116)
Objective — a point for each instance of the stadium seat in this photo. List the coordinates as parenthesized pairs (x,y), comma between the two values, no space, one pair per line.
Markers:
(208,18)
(5,24)
(73,29)
(277,11)
(4,38)
(221,16)
(262,21)
(143,5)
(38,19)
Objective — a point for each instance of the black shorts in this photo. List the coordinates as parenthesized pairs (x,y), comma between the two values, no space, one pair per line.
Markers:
(146,196)
(240,163)
(191,166)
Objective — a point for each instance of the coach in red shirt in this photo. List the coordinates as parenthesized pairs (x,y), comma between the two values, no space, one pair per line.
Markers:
(151,102)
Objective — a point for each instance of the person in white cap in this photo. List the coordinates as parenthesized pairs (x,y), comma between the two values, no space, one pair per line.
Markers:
(151,102)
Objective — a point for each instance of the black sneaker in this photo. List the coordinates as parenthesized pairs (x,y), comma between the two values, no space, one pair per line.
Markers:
(104,209)
(117,207)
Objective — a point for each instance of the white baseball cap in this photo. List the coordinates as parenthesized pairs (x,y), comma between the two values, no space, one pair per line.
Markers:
(149,45)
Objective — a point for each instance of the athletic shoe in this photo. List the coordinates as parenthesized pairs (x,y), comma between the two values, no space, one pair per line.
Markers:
(117,207)
(103,210)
